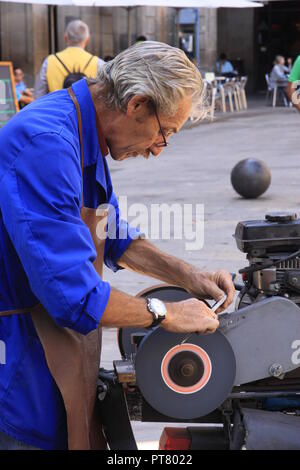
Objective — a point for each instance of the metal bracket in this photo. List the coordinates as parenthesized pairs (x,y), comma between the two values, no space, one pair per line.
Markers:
(125,371)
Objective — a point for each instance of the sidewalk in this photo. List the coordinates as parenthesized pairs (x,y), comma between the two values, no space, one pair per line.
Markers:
(196,168)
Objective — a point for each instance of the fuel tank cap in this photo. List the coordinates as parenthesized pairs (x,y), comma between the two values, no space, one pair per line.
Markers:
(281,216)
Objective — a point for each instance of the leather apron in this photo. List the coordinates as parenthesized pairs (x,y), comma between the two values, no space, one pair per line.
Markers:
(74,359)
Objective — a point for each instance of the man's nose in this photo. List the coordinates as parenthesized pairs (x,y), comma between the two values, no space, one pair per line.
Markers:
(155,150)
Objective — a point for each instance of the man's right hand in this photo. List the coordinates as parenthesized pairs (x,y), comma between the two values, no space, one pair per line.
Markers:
(190,316)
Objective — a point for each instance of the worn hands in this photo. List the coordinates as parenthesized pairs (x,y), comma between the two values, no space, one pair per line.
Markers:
(212,285)
(189,316)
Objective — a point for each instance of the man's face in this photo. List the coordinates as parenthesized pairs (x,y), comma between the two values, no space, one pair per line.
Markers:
(138,131)
(18,75)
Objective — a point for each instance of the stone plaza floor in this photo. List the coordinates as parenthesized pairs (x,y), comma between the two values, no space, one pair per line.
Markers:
(195,169)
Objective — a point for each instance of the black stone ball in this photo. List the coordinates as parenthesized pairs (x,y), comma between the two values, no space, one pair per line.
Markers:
(250,178)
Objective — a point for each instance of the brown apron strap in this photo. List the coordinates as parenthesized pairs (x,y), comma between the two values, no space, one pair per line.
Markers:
(18,311)
(4,313)
(76,104)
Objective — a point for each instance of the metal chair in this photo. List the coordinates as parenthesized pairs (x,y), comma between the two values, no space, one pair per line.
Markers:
(240,93)
(228,91)
(270,91)
(210,93)
(236,94)
(242,84)
(274,92)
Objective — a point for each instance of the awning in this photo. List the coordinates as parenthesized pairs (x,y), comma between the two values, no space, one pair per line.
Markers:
(154,3)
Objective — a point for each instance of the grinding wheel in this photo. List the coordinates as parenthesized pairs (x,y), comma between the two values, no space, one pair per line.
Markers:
(185,381)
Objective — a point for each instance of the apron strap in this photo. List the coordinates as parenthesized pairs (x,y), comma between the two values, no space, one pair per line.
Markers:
(5,313)
(20,311)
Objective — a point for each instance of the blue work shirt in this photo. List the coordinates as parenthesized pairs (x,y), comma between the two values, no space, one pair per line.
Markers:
(47,253)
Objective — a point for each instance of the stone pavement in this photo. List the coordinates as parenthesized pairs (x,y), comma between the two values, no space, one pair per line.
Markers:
(196,168)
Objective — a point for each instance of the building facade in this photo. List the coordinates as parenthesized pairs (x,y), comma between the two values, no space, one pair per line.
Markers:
(250,37)
(28,33)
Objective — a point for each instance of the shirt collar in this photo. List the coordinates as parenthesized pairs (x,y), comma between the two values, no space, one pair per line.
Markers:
(94,144)
(102,142)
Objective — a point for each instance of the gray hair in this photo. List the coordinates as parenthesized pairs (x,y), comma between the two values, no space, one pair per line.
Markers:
(77,31)
(161,72)
(278,58)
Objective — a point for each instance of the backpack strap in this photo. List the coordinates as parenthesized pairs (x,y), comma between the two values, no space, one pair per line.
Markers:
(88,62)
(62,63)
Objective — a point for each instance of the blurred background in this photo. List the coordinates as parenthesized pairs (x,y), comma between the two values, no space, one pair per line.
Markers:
(251,37)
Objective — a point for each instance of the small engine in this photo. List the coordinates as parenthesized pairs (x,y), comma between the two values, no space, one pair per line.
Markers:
(273,250)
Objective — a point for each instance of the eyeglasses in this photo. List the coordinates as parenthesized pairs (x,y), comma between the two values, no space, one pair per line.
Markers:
(164,143)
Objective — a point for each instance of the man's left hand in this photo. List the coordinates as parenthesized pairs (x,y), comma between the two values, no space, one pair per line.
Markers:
(212,285)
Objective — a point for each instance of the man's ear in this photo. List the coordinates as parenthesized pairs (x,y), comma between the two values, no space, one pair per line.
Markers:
(87,41)
(138,107)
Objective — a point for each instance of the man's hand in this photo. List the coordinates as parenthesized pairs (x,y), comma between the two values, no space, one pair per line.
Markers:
(212,285)
(190,316)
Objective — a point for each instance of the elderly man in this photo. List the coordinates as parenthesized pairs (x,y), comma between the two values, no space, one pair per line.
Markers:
(53,298)
(279,73)
(70,63)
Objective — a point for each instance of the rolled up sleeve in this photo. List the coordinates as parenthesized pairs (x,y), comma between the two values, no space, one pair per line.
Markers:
(40,203)
(119,236)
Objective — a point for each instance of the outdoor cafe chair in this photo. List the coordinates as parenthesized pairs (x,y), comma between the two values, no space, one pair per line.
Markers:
(214,87)
(228,90)
(239,93)
(210,92)
(240,99)
(242,85)
(274,92)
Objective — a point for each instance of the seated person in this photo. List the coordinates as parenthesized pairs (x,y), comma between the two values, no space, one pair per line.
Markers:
(224,67)
(280,72)
(24,94)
